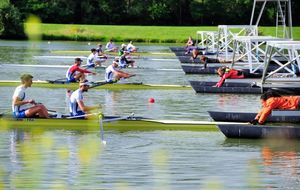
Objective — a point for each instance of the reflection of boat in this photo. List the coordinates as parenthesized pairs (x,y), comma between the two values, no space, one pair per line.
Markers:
(285,116)
(112,122)
(114,86)
(259,131)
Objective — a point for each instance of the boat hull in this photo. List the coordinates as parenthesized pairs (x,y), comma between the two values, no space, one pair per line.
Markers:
(114,123)
(257,132)
(247,116)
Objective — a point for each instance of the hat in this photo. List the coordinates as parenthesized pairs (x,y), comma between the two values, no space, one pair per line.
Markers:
(25,77)
(116,59)
(85,83)
(78,59)
(123,45)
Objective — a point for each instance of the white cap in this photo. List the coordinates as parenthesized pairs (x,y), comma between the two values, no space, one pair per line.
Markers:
(123,45)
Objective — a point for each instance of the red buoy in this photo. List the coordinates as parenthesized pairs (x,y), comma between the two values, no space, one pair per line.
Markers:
(151,100)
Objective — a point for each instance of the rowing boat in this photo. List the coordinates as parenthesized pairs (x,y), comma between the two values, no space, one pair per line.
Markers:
(114,86)
(283,116)
(109,123)
(259,131)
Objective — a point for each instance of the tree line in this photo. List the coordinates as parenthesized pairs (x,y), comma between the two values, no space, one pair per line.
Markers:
(132,12)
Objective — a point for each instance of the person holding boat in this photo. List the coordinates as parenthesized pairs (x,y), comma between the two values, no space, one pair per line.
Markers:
(75,73)
(272,100)
(227,73)
(76,104)
(20,105)
(112,74)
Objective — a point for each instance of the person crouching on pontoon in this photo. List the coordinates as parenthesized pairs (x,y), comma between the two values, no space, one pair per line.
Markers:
(112,74)
(76,105)
(75,73)
(272,100)
(20,107)
(227,73)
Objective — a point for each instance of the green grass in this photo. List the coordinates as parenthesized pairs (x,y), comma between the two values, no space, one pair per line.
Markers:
(148,34)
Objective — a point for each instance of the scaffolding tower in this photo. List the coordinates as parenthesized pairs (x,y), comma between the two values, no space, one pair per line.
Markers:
(283,16)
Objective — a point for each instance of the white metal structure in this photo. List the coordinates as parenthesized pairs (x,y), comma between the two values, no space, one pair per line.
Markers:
(227,34)
(279,48)
(251,49)
(208,39)
(283,16)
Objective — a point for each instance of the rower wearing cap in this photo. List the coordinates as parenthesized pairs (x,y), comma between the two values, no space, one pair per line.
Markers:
(112,74)
(76,105)
(20,105)
(75,73)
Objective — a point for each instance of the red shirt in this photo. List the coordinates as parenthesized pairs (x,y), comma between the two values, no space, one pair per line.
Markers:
(231,74)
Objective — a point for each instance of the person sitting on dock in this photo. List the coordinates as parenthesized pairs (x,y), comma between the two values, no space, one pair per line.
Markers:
(76,104)
(75,73)
(272,100)
(112,74)
(20,106)
(110,46)
(227,73)
(93,59)
(189,45)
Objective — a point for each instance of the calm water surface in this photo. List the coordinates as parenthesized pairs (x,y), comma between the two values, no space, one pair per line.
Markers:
(135,160)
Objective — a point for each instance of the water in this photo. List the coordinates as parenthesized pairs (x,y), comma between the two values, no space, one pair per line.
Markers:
(35,159)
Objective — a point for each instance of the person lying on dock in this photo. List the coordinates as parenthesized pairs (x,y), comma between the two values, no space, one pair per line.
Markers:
(110,46)
(271,100)
(112,74)
(204,59)
(227,73)
(75,73)
(94,60)
(76,105)
(20,105)
(197,52)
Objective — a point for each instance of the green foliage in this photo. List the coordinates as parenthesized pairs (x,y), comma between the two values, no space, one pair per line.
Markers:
(11,25)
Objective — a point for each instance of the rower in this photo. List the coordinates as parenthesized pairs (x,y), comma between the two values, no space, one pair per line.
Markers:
(227,73)
(76,105)
(124,62)
(131,48)
(112,74)
(93,60)
(272,100)
(20,106)
(75,73)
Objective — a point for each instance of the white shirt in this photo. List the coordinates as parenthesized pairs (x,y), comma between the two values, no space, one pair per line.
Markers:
(109,73)
(91,58)
(75,97)
(20,93)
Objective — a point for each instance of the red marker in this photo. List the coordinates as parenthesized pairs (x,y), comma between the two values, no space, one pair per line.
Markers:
(151,100)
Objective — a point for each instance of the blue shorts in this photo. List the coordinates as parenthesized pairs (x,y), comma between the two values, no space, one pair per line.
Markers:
(79,113)
(90,65)
(72,80)
(20,114)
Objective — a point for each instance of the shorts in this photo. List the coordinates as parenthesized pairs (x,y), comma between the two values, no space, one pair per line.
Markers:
(71,80)
(20,114)
(79,113)
(91,65)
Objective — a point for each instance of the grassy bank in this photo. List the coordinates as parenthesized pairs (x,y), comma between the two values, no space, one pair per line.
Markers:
(148,34)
